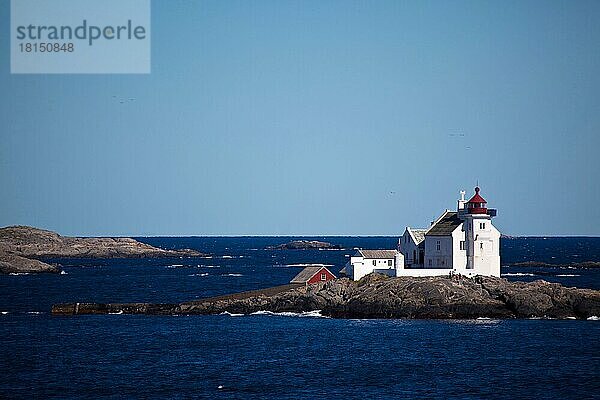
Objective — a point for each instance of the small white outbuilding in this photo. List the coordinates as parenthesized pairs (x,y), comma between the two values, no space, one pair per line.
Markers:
(364,262)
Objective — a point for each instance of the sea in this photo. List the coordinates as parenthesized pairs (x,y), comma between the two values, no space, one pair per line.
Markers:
(284,356)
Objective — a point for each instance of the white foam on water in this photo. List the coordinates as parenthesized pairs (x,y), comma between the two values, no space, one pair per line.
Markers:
(63,273)
(306,265)
(175,266)
(226,256)
(593,318)
(231,314)
(116,313)
(313,314)
(571,317)
(4,312)
(203,274)
(35,312)
(517,274)
(232,275)
(208,266)
(18,273)
(563,275)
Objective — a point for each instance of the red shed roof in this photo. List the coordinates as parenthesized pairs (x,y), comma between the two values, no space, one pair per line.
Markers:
(308,273)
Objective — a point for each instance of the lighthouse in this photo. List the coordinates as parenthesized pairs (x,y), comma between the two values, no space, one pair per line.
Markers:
(482,239)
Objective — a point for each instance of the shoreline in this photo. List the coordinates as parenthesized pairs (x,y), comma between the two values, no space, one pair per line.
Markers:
(378,296)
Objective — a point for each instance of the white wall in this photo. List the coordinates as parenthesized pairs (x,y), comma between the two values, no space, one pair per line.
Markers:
(483,244)
(361,267)
(459,257)
(408,247)
(423,272)
(441,258)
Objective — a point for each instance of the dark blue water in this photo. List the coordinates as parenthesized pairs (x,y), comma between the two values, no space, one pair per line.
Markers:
(266,356)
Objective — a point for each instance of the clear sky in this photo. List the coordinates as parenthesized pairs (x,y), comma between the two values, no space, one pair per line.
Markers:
(316,117)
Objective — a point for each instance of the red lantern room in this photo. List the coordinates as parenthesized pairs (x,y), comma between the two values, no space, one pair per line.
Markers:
(477,204)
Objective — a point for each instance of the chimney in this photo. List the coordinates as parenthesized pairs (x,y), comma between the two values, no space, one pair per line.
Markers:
(461,205)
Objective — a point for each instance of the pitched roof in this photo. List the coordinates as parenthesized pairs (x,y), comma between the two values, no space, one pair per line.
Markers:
(307,273)
(378,253)
(418,235)
(477,197)
(445,225)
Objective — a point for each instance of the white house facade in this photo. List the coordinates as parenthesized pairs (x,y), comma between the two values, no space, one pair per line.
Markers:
(365,262)
(412,245)
(458,242)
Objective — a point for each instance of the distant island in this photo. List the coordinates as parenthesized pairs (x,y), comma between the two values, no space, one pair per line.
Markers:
(23,249)
(305,245)
(380,296)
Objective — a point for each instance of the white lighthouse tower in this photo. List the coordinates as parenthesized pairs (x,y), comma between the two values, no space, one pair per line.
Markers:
(482,239)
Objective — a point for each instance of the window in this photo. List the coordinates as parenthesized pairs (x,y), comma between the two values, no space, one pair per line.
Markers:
(429,262)
(462,245)
(438,246)
(323,277)
(389,263)
(375,262)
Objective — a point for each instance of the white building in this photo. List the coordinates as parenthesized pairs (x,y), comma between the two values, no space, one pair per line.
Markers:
(458,242)
(412,245)
(365,262)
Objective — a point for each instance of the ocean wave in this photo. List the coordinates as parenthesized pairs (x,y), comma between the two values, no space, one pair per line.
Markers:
(232,275)
(231,314)
(19,273)
(517,274)
(116,313)
(63,273)
(202,274)
(35,312)
(593,318)
(3,312)
(175,266)
(306,265)
(565,275)
(208,266)
(227,257)
(313,314)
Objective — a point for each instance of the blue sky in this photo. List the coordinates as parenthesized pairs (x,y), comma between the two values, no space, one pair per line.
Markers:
(318,118)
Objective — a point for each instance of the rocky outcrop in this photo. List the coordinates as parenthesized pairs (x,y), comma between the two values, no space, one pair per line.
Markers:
(14,264)
(378,296)
(21,246)
(304,245)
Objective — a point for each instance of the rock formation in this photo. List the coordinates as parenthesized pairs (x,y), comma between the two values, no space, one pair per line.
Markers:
(22,248)
(304,245)
(378,296)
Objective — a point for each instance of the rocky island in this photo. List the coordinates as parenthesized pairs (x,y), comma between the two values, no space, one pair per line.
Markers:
(379,296)
(305,245)
(23,249)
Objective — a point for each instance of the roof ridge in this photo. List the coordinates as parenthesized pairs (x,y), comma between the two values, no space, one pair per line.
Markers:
(437,220)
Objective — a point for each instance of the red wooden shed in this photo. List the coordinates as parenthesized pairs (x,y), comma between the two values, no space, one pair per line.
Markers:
(313,274)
